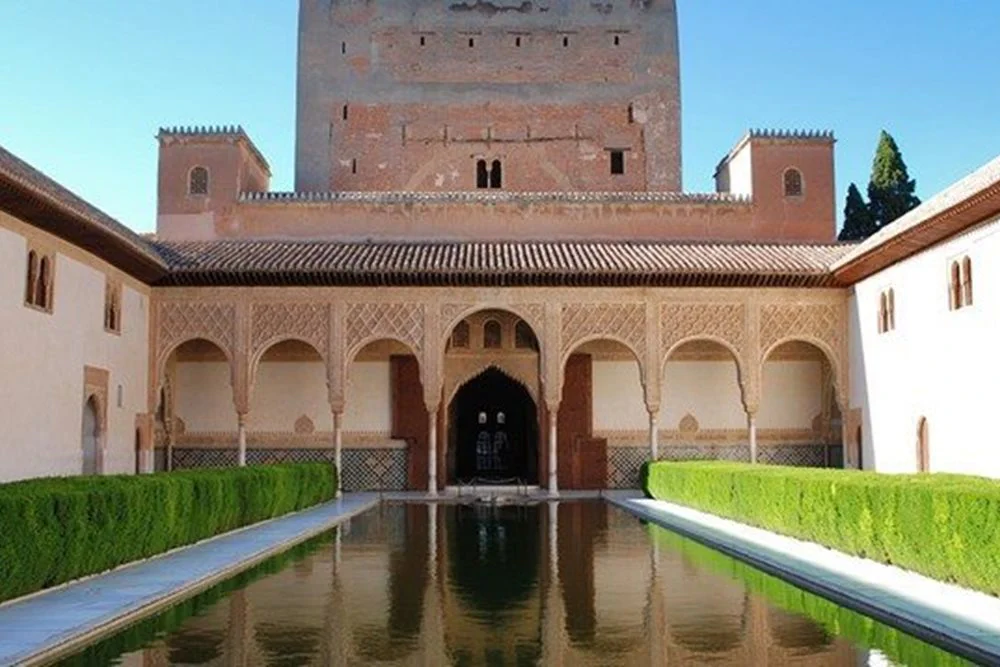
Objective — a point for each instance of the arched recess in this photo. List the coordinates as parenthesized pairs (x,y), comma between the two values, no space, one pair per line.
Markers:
(703,405)
(603,421)
(92,435)
(516,373)
(800,416)
(385,422)
(289,399)
(199,416)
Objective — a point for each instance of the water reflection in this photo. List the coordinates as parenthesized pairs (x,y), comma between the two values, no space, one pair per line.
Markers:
(556,584)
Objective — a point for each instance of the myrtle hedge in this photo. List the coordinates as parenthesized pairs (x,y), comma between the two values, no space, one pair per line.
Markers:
(55,530)
(944,526)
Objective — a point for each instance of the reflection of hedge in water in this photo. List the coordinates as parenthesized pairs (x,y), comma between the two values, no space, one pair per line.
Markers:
(144,632)
(493,552)
(861,630)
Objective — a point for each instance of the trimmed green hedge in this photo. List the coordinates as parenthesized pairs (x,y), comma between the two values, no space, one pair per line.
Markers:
(944,526)
(55,530)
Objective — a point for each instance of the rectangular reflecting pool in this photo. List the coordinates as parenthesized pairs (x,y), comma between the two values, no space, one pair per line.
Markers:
(573,583)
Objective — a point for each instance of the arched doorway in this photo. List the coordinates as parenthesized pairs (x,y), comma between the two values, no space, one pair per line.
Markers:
(91,437)
(493,431)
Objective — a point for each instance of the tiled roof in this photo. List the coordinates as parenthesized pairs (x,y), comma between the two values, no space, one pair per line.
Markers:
(33,196)
(495,196)
(255,262)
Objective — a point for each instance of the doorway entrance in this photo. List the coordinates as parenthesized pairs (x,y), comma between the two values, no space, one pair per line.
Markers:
(91,437)
(493,432)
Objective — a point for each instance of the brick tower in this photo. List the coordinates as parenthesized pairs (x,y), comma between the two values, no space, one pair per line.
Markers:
(424,95)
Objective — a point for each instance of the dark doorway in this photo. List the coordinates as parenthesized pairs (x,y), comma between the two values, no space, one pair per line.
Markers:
(493,432)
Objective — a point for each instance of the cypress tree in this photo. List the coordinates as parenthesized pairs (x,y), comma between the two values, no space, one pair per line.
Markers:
(858,221)
(890,192)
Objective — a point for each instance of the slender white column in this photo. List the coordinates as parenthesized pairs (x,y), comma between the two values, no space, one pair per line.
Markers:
(338,447)
(553,451)
(241,439)
(752,420)
(654,427)
(432,476)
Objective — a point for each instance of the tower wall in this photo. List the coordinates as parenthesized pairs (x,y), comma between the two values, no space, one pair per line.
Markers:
(410,95)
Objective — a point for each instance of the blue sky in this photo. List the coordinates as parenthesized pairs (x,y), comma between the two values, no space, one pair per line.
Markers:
(84,84)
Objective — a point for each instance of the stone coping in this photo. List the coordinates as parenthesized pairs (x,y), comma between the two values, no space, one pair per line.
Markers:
(55,623)
(960,620)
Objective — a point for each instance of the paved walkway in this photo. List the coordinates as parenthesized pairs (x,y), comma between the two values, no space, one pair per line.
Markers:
(962,621)
(61,621)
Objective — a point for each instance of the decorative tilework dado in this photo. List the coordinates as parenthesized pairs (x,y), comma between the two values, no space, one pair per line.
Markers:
(374,470)
(218,458)
(624,463)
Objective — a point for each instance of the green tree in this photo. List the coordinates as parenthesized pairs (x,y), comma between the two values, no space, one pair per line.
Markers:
(858,221)
(890,192)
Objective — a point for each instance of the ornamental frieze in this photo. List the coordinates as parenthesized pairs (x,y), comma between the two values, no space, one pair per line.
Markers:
(687,321)
(182,321)
(308,322)
(365,322)
(622,321)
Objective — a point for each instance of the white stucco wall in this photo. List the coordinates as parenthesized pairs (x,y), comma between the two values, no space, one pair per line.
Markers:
(708,390)
(283,392)
(940,364)
(42,376)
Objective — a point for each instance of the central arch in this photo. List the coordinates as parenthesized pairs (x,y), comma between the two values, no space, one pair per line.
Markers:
(493,432)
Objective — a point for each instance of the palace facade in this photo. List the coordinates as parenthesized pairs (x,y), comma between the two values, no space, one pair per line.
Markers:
(491,275)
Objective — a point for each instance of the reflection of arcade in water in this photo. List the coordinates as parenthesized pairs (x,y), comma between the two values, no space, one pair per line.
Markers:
(494,432)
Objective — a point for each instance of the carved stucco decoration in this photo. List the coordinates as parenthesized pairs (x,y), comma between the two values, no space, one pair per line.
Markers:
(522,369)
(367,322)
(721,322)
(688,424)
(532,313)
(625,322)
(819,324)
(184,321)
(304,425)
(273,322)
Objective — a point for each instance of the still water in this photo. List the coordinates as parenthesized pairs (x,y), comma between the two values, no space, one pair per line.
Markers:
(578,583)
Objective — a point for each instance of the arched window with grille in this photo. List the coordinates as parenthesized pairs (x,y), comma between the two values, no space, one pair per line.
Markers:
(460,335)
(496,175)
(524,337)
(198,181)
(482,175)
(492,335)
(966,282)
(793,183)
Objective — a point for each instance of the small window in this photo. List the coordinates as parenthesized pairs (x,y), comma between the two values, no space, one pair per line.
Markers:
(492,335)
(31,278)
(423,40)
(887,311)
(354,166)
(460,336)
(496,175)
(955,287)
(617,162)
(524,337)
(112,308)
(631,113)
(617,40)
(472,42)
(793,183)
(343,47)
(891,317)
(482,174)
(517,42)
(343,112)
(565,41)
(198,181)
(966,282)
(43,291)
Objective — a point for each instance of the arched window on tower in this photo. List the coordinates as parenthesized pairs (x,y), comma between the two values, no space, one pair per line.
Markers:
(482,174)
(198,181)
(496,175)
(460,335)
(966,282)
(524,337)
(793,183)
(31,278)
(492,335)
